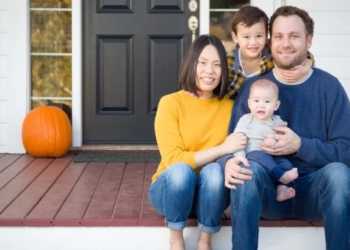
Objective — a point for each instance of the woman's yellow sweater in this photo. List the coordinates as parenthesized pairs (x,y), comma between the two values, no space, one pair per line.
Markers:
(185,125)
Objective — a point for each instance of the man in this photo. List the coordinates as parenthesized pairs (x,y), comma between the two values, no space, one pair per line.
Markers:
(316,141)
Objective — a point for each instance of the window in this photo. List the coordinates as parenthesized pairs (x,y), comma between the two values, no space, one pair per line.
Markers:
(51,53)
(221,13)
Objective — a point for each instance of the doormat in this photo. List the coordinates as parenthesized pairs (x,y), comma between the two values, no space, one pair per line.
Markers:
(118,156)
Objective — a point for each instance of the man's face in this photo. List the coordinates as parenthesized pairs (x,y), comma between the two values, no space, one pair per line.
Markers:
(289,42)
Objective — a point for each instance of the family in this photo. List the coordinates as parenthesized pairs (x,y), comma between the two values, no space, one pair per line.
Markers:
(260,130)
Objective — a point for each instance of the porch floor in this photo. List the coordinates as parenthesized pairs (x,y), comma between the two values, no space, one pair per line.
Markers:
(59,192)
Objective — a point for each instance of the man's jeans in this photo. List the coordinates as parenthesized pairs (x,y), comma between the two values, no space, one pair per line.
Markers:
(322,195)
(178,192)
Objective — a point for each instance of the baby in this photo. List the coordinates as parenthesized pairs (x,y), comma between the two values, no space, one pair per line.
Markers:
(262,102)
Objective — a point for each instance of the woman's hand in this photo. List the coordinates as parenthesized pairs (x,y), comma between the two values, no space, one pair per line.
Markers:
(234,142)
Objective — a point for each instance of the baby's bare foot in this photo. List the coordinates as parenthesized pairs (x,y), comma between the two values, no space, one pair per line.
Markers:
(289,176)
(284,193)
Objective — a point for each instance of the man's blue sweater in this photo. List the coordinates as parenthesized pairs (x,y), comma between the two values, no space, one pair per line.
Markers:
(317,110)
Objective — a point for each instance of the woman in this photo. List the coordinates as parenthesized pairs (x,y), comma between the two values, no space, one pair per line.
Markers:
(191,128)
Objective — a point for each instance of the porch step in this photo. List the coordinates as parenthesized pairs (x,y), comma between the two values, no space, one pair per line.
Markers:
(55,202)
(148,238)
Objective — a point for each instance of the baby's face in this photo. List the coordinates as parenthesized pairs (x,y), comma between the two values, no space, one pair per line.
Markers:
(262,102)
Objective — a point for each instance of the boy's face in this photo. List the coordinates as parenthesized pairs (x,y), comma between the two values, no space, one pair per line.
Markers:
(251,40)
(262,102)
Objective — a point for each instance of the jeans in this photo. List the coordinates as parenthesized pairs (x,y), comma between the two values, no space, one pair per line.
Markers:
(178,192)
(321,195)
(276,166)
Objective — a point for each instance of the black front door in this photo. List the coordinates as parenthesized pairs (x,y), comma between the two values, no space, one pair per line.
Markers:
(131,55)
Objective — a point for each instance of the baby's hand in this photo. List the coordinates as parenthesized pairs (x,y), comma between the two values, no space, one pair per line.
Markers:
(268,142)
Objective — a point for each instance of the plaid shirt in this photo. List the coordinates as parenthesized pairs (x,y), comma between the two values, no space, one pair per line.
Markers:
(235,71)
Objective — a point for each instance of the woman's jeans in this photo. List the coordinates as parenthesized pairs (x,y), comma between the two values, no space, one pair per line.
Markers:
(321,195)
(178,192)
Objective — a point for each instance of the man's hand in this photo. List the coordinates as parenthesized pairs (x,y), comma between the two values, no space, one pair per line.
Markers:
(235,174)
(287,143)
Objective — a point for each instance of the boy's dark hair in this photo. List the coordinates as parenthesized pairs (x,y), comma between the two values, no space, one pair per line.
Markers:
(291,11)
(248,16)
(188,68)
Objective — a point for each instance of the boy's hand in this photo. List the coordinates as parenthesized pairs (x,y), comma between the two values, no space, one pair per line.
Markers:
(288,142)
(298,72)
(235,174)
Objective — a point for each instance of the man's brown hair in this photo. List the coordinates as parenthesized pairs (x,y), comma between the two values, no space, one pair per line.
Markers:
(248,16)
(291,11)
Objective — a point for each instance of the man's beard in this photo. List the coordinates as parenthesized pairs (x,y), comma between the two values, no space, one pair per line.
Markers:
(289,64)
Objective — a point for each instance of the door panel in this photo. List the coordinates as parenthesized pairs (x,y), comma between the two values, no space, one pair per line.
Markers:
(132,52)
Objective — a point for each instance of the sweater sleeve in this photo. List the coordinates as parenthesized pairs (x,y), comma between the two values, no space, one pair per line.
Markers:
(336,147)
(167,130)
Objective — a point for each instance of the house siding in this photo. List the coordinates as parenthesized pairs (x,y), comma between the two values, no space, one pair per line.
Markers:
(331,28)
(3,74)
(14,73)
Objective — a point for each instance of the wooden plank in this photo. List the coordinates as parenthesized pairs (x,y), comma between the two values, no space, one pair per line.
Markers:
(46,210)
(22,181)
(128,206)
(149,216)
(101,208)
(1,155)
(7,160)
(74,208)
(9,173)
(24,203)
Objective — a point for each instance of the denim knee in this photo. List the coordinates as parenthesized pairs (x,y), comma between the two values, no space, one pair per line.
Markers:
(181,176)
(336,181)
(213,176)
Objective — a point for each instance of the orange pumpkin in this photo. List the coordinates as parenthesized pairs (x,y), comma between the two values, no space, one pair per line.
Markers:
(46,132)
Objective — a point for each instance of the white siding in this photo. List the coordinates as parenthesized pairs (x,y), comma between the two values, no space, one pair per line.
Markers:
(14,76)
(4,81)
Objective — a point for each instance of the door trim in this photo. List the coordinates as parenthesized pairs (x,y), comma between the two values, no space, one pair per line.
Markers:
(204,16)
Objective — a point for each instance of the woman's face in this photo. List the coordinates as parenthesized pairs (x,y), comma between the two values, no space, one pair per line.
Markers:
(208,71)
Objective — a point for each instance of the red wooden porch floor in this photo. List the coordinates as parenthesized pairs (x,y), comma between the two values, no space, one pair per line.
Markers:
(59,192)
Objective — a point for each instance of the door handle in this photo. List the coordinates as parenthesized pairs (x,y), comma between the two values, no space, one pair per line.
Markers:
(193,26)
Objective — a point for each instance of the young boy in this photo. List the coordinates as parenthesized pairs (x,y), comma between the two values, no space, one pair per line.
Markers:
(251,55)
(262,102)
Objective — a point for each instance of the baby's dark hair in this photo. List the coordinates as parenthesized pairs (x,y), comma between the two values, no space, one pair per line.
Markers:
(248,16)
